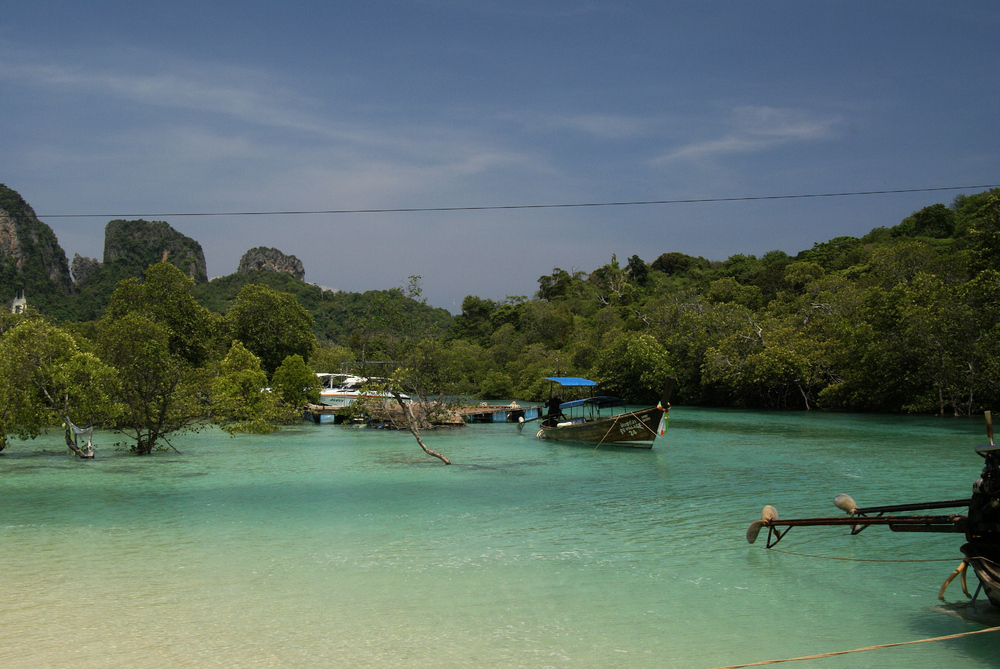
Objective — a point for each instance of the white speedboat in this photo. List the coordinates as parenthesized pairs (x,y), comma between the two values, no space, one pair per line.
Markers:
(340,390)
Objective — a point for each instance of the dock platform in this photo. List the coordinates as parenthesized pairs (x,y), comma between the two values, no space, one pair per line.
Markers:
(481,413)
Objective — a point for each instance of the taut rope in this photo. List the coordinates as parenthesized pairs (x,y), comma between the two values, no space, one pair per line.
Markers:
(860,650)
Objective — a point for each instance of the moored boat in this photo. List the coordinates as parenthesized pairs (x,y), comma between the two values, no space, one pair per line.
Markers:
(341,390)
(601,419)
(982,550)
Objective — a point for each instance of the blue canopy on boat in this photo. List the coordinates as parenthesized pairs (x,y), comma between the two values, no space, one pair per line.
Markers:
(571,381)
(601,402)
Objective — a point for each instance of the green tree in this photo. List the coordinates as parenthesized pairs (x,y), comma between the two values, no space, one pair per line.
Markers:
(295,383)
(637,270)
(676,263)
(773,363)
(240,400)
(327,357)
(47,378)
(550,323)
(934,221)
(165,297)
(633,366)
(160,393)
(728,289)
(271,325)
(688,325)
(473,324)
(617,287)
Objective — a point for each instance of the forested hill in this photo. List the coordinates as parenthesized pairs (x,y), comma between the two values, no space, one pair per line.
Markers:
(32,263)
(906,318)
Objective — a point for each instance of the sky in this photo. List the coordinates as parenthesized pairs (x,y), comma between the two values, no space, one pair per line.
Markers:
(154,110)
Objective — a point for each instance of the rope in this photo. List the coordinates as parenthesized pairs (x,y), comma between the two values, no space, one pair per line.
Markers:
(847,559)
(860,650)
(648,429)
(608,432)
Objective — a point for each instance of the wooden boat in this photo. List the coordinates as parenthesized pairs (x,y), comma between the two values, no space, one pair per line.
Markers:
(981,526)
(601,419)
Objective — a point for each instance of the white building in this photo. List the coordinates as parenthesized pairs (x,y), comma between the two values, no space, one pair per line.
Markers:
(20,304)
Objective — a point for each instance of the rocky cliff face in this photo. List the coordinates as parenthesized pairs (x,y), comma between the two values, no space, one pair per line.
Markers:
(31,259)
(272,260)
(135,245)
(84,269)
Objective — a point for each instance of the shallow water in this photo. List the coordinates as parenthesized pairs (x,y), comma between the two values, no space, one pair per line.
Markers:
(328,546)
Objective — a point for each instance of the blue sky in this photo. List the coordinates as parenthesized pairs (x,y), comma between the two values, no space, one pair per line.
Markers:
(129,109)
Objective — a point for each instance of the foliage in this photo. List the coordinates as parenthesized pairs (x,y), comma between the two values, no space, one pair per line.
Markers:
(270,324)
(165,297)
(241,402)
(160,393)
(328,358)
(337,315)
(903,319)
(295,383)
(633,366)
(46,379)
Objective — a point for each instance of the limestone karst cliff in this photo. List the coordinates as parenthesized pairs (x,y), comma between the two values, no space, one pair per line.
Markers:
(135,245)
(31,260)
(270,259)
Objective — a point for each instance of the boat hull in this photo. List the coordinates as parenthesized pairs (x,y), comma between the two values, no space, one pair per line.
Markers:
(984,556)
(634,429)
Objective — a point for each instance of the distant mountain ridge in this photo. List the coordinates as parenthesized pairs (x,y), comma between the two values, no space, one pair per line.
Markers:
(33,263)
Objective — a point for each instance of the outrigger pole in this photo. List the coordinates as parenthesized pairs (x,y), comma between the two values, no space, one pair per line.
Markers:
(981,526)
(857,520)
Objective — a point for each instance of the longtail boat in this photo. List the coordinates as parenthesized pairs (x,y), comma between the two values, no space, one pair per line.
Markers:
(601,419)
(980,525)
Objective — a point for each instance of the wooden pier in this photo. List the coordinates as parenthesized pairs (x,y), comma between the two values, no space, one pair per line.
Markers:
(498,413)
(458,414)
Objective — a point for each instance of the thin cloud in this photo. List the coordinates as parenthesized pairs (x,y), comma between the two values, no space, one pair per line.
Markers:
(246,96)
(604,126)
(234,110)
(597,126)
(757,128)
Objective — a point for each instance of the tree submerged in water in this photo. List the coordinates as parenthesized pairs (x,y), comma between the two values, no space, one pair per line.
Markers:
(48,378)
(388,402)
(158,339)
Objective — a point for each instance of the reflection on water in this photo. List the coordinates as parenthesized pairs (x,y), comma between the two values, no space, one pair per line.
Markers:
(322,546)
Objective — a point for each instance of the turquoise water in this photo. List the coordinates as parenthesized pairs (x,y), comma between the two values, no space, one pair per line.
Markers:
(325,546)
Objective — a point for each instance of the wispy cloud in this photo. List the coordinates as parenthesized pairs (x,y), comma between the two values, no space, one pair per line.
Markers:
(605,126)
(757,128)
(595,125)
(247,96)
(246,115)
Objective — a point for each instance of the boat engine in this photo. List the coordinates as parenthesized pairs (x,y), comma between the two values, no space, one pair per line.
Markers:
(984,508)
(983,525)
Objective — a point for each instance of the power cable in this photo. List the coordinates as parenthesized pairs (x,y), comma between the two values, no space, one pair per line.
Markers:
(496,207)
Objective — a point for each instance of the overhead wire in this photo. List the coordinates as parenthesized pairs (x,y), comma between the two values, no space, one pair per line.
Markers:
(500,207)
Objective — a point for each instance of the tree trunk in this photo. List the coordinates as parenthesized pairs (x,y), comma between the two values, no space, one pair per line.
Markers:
(411,425)
(805,396)
(71,442)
